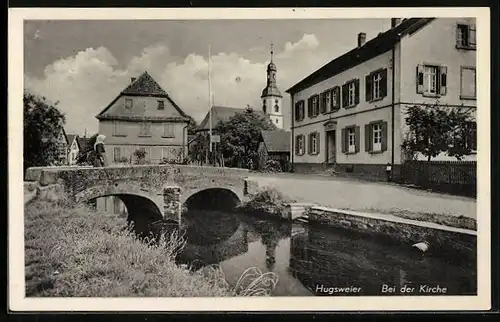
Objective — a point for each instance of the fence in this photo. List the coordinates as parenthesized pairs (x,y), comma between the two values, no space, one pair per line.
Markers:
(454,177)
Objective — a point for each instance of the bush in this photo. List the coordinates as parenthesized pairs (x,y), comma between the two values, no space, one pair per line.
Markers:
(272,166)
(268,201)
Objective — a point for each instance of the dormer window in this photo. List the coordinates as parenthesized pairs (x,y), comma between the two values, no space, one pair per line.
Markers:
(128,103)
(161,105)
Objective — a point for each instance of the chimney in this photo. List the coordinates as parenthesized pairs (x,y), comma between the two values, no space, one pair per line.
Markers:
(395,22)
(361,39)
(132,79)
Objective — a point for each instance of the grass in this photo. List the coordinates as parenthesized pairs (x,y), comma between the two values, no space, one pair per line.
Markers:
(442,219)
(77,252)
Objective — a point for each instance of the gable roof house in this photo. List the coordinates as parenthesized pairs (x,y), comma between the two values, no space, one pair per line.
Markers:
(62,148)
(356,104)
(144,117)
(274,145)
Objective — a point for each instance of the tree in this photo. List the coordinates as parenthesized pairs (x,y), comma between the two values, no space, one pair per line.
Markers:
(43,124)
(140,155)
(240,137)
(192,126)
(435,129)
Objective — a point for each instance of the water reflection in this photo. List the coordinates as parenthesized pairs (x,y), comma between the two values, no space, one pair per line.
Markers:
(307,258)
(325,258)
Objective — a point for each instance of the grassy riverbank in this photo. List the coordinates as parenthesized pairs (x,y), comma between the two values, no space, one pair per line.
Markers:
(77,252)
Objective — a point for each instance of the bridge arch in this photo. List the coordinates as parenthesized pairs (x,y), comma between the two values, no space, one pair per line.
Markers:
(142,208)
(212,198)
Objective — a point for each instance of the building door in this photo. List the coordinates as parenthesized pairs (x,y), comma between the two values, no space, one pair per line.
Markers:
(331,153)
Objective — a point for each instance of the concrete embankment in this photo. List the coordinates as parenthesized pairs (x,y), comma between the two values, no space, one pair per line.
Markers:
(442,240)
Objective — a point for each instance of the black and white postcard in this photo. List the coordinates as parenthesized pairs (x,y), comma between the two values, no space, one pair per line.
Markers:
(182,159)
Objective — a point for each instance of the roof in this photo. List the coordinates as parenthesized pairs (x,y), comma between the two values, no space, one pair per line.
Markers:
(372,48)
(271,90)
(144,86)
(82,142)
(71,137)
(276,141)
(221,113)
(191,138)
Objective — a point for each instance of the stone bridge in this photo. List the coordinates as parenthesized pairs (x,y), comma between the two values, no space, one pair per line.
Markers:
(153,191)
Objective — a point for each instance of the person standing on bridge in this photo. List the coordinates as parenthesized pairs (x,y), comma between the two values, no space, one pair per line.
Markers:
(100,152)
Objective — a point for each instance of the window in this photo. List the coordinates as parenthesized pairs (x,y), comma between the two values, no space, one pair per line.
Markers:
(467,83)
(431,80)
(145,129)
(299,111)
(264,108)
(118,129)
(350,93)
(328,100)
(168,153)
(276,121)
(335,99)
(376,85)
(377,137)
(276,108)
(161,105)
(314,143)
(116,154)
(466,36)
(276,101)
(313,106)
(128,103)
(168,130)
(351,140)
(299,144)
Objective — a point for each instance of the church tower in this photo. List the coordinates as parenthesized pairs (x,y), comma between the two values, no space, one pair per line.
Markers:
(271,96)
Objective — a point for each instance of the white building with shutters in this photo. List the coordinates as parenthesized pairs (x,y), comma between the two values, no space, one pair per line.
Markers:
(351,112)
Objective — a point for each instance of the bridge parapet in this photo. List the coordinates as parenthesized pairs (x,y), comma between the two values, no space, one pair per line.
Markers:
(147,181)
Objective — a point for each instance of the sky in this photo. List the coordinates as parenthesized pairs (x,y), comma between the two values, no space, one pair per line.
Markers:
(84,65)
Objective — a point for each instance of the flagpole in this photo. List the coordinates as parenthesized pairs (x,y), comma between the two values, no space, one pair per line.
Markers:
(210,96)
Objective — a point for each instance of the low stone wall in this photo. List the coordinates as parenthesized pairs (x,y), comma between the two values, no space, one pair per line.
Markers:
(444,241)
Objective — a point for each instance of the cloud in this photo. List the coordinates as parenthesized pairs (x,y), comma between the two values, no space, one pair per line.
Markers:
(85,83)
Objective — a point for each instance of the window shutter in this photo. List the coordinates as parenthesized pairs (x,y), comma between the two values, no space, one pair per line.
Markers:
(345,94)
(317,142)
(309,107)
(309,145)
(420,79)
(472,35)
(356,138)
(343,140)
(383,83)
(297,148)
(442,80)
(302,110)
(384,136)
(356,89)
(368,132)
(368,87)
(297,112)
